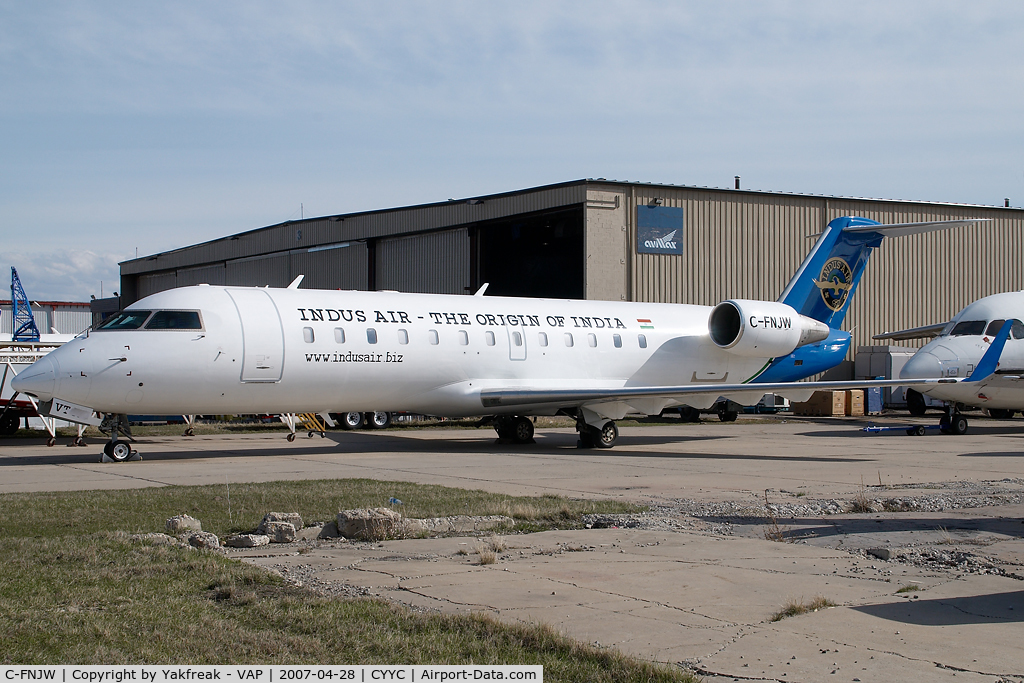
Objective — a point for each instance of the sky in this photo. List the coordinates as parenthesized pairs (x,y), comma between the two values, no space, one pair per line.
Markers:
(133,128)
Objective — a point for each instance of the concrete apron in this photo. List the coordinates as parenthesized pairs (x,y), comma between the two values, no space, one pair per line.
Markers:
(699,599)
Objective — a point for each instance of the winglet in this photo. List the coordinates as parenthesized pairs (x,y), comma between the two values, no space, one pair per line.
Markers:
(295,282)
(990,361)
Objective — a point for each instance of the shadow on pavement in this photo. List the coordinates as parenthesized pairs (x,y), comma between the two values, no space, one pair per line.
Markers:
(978,609)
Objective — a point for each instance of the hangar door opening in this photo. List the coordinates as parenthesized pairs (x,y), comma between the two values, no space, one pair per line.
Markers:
(540,255)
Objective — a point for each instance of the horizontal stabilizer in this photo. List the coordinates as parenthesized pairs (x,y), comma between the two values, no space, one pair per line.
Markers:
(923,332)
(901,229)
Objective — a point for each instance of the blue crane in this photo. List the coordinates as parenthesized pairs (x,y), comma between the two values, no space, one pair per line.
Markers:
(24,323)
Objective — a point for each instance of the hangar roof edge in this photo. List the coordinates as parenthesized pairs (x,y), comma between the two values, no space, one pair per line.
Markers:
(539,188)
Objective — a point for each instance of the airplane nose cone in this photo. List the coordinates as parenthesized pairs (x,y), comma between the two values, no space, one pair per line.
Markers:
(922,365)
(37,379)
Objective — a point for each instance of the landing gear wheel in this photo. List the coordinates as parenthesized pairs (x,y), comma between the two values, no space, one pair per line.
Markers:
(522,430)
(1000,413)
(727,415)
(606,436)
(352,420)
(51,441)
(120,451)
(915,403)
(378,420)
(291,437)
(689,414)
(958,424)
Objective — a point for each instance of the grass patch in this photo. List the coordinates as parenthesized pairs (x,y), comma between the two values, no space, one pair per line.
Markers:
(794,607)
(74,592)
(909,588)
(225,509)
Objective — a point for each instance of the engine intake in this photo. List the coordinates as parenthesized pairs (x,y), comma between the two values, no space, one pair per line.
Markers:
(766,329)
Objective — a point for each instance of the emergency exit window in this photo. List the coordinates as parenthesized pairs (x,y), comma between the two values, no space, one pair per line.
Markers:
(517,338)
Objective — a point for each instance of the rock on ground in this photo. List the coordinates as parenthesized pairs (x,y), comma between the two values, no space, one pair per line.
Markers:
(180,523)
(293,518)
(203,539)
(246,540)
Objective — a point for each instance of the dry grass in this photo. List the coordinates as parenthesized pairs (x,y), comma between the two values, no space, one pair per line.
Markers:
(71,595)
(488,550)
(772,530)
(909,588)
(793,607)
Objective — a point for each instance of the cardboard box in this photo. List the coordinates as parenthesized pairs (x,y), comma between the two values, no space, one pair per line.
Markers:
(855,402)
(823,404)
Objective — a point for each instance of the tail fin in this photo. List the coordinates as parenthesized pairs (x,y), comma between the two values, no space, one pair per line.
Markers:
(826,281)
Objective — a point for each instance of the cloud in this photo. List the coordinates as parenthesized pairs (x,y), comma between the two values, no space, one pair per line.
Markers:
(65,275)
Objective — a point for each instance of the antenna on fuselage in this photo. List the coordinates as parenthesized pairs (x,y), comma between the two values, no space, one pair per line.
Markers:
(295,282)
(480,292)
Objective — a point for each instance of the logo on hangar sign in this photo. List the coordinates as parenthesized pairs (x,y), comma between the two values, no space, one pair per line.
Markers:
(834,282)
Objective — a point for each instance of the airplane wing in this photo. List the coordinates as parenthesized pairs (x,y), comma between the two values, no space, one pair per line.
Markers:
(983,373)
(923,332)
(494,398)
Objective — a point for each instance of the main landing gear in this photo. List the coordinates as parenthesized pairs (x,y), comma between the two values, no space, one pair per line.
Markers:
(514,429)
(604,436)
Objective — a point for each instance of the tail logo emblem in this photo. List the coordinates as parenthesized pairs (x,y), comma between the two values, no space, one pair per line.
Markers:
(835,282)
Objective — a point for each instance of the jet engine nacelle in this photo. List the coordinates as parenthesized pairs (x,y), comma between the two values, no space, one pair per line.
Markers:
(766,329)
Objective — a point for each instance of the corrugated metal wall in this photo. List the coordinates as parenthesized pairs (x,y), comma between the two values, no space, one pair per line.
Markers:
(66,318)
(342,267)
(435,262)
(749,245)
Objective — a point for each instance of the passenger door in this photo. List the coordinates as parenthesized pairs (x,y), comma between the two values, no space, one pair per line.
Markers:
(262,335)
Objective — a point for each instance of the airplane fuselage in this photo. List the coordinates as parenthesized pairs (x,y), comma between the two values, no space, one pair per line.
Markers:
(294,350)
(965,339)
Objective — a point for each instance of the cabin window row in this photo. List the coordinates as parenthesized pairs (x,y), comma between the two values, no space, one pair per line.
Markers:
(463,336)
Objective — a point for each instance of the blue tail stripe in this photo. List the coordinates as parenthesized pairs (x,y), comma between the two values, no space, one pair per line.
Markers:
(990,361)
(839,258)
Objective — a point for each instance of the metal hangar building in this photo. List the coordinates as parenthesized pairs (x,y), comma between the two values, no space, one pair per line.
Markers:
(613,240)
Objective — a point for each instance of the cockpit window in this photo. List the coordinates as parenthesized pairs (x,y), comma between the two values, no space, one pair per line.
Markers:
(968,328)
(1017,331)
(175,320)
(993,327)
(125,320)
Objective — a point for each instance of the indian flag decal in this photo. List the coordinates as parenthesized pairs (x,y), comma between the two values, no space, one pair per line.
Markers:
(645,324)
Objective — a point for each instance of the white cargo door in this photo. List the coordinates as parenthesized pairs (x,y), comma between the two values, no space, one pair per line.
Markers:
(262,335)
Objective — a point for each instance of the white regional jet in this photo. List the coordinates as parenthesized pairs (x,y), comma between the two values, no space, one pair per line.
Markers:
(956,352)
(217,349)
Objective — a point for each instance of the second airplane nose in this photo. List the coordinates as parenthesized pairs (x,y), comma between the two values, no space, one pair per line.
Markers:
(37,379)
(922,365)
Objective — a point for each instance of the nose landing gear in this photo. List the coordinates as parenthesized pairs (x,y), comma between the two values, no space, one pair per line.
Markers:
(953,422)
(114,450)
